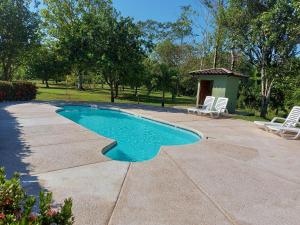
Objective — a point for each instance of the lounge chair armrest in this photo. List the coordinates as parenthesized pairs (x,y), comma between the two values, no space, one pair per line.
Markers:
(201,106)
(277,118)
(223,110)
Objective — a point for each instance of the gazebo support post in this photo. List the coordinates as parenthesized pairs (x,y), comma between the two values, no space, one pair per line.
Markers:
(198,94)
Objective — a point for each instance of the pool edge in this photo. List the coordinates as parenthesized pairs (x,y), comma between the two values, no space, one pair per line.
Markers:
(114,142)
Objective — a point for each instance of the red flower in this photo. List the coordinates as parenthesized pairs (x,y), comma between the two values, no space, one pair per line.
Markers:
(2,216)
(8,201)
(18,214)
(52,212)
(32,217)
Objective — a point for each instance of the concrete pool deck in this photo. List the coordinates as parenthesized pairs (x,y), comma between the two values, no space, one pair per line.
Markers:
(240,175)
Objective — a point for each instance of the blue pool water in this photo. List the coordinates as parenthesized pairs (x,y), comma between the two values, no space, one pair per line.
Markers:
(138,139)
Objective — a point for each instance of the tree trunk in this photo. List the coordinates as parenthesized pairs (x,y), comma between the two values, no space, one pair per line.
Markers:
(7,72)
(112,94)
(173,96)
(116,90)
(80,81)
(163,98)
(266,86)
(232,59)
(135,91)
(216,55)
(218,34)
(264,106)
(47,84)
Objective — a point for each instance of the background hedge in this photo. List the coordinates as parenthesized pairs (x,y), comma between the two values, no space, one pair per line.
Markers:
(17,91)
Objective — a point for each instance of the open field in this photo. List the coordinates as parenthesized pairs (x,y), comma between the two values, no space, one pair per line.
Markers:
(98,94)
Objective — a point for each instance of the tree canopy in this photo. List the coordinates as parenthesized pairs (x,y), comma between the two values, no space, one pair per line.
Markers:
(18,34)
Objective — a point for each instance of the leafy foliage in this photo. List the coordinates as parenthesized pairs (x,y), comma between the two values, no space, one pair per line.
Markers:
(17,91)
(18,34)
(46,64)
(267,34)
(16,208)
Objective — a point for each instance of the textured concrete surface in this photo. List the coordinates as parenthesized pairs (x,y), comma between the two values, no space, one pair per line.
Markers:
(157,192)
(94,189)
(237,175)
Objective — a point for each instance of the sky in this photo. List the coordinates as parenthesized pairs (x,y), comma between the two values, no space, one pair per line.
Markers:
(160,10)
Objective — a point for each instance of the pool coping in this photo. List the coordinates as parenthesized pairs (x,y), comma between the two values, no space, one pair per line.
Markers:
(114,142)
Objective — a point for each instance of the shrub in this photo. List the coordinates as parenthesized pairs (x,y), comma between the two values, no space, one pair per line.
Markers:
(16,207)
(6,91)
(17,91)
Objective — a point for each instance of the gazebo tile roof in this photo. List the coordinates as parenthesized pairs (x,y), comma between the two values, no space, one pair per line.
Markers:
(217,71)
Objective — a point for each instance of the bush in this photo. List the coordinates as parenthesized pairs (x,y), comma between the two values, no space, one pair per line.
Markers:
(16,207)
(17,91)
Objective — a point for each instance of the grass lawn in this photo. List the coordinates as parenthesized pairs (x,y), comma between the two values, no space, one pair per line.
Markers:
(98,94)
(252,117)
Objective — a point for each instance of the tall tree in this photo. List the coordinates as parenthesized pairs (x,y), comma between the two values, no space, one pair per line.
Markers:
(216,7)
(45,64)
(165,78)
(71,24)
(183,26)
(18,33)
(169,53)
(267,32)
(123,52)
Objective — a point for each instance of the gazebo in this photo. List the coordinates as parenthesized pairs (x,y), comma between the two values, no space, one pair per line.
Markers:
(218,82)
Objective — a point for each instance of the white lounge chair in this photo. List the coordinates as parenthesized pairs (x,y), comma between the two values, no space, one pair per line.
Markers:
(219,108)
(289,125)
(207,105)
(294,112)
(287,132)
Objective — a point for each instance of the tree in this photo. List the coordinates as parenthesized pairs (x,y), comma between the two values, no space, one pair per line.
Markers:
(216,7)
(45,64)
(122,52)
(267,32)
(72,24)
(18,33)
(165,78)
(155,31)
(183,26)
(149,74)
(168,53)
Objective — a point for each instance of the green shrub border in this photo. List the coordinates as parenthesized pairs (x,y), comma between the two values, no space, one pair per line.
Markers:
(17,91)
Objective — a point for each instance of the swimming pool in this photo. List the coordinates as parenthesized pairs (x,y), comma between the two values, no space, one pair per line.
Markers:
(138,139)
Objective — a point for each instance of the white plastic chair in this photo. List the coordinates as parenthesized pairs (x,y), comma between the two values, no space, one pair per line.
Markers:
(289,125)
(207,105)
(287,131)
(219,108)
(292,116)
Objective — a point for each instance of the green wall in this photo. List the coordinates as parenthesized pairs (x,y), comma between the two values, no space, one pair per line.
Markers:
(219,87)
(225,86)
(232,88)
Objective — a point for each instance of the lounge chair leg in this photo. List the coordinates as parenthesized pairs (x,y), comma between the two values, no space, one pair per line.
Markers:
(297,136)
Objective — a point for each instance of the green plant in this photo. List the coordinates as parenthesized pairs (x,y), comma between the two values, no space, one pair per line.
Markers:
(6,90)
(17,91)
(16,207)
